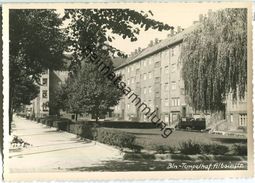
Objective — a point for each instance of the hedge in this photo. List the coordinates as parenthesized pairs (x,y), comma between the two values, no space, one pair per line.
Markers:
(115,138)
(121,124)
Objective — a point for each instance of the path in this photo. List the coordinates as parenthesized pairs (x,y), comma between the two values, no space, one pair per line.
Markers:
(55,151)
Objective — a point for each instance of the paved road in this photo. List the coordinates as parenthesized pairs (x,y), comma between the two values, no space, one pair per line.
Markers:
(55,151)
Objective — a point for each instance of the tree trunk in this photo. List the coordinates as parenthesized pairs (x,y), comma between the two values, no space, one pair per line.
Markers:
(76,117)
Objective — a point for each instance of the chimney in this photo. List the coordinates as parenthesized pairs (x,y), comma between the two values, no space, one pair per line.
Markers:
(139,49)
(201,17)
(151,43)
(179,29)
(136,51)
(172,32)
(156,41)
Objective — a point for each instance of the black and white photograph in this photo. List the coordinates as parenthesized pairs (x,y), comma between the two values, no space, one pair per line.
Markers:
(131,88)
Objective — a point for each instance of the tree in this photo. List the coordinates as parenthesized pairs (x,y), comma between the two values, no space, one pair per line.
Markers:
(91,31)
(214,60)
(96,28)
(88,91)
(36,44)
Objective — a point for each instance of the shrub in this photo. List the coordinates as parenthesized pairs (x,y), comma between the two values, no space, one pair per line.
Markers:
(161,149)
(189,147)
(180,157)
(243,128)
(138,156)
(240,150)
(136,148)
(61,124)
(215,149)
(115,138)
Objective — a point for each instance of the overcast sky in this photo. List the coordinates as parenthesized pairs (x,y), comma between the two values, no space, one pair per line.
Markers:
(182,15)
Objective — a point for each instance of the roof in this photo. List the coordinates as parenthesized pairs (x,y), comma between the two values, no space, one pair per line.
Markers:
(157,47)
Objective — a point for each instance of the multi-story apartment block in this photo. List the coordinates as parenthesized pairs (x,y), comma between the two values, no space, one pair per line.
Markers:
(49,81)
(154,74)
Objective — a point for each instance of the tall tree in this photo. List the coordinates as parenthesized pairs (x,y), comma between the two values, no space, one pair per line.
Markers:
(96,28)
(95,93)
(92,91)
(36,44)
(214,59)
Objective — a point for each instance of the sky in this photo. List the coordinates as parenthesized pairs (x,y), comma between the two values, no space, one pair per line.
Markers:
(178,15)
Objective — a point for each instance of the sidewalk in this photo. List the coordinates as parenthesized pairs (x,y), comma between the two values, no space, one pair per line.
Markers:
(55,151)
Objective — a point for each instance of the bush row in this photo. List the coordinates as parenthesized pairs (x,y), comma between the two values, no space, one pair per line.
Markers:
(91,131)
(190,148)
(123,139)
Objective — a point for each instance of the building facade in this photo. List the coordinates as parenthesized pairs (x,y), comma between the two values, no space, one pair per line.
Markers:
(49,81)
(154,74)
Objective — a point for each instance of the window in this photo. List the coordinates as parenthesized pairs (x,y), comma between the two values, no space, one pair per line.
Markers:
(45,72)
(157,79)
(132,68)
(44,81)
(166,102)
(144,90)
(128,69)
(242,119)
(166,87)
(150,89)
(149,61)
(231,118)
(178,102)
(132,80)
(128,82)
(137,71)
(44,94)
(150,103)
(157,94)
(173,67)
(175,102)
(172,52)
(157,64)
(166,70)
(128,106)
(173,85)
(144,76)
(150,75)
(45,106)
(166,118)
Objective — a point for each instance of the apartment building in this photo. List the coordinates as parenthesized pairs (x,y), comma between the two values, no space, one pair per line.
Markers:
(154,74)
(49,81)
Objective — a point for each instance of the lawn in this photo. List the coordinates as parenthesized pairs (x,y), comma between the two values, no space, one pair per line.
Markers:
(149,138)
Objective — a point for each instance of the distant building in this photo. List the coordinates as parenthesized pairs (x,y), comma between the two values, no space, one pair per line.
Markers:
(49,81)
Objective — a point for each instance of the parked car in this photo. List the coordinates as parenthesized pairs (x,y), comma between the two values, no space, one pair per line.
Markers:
(190,123)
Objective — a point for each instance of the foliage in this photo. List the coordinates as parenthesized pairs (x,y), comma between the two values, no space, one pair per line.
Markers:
(89,91)
(215,149)
(25,91)
(115,138)
(240,150)
(95,28)
(36,44)
(138,156)
(214,59)
(60,98)
(190,147)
